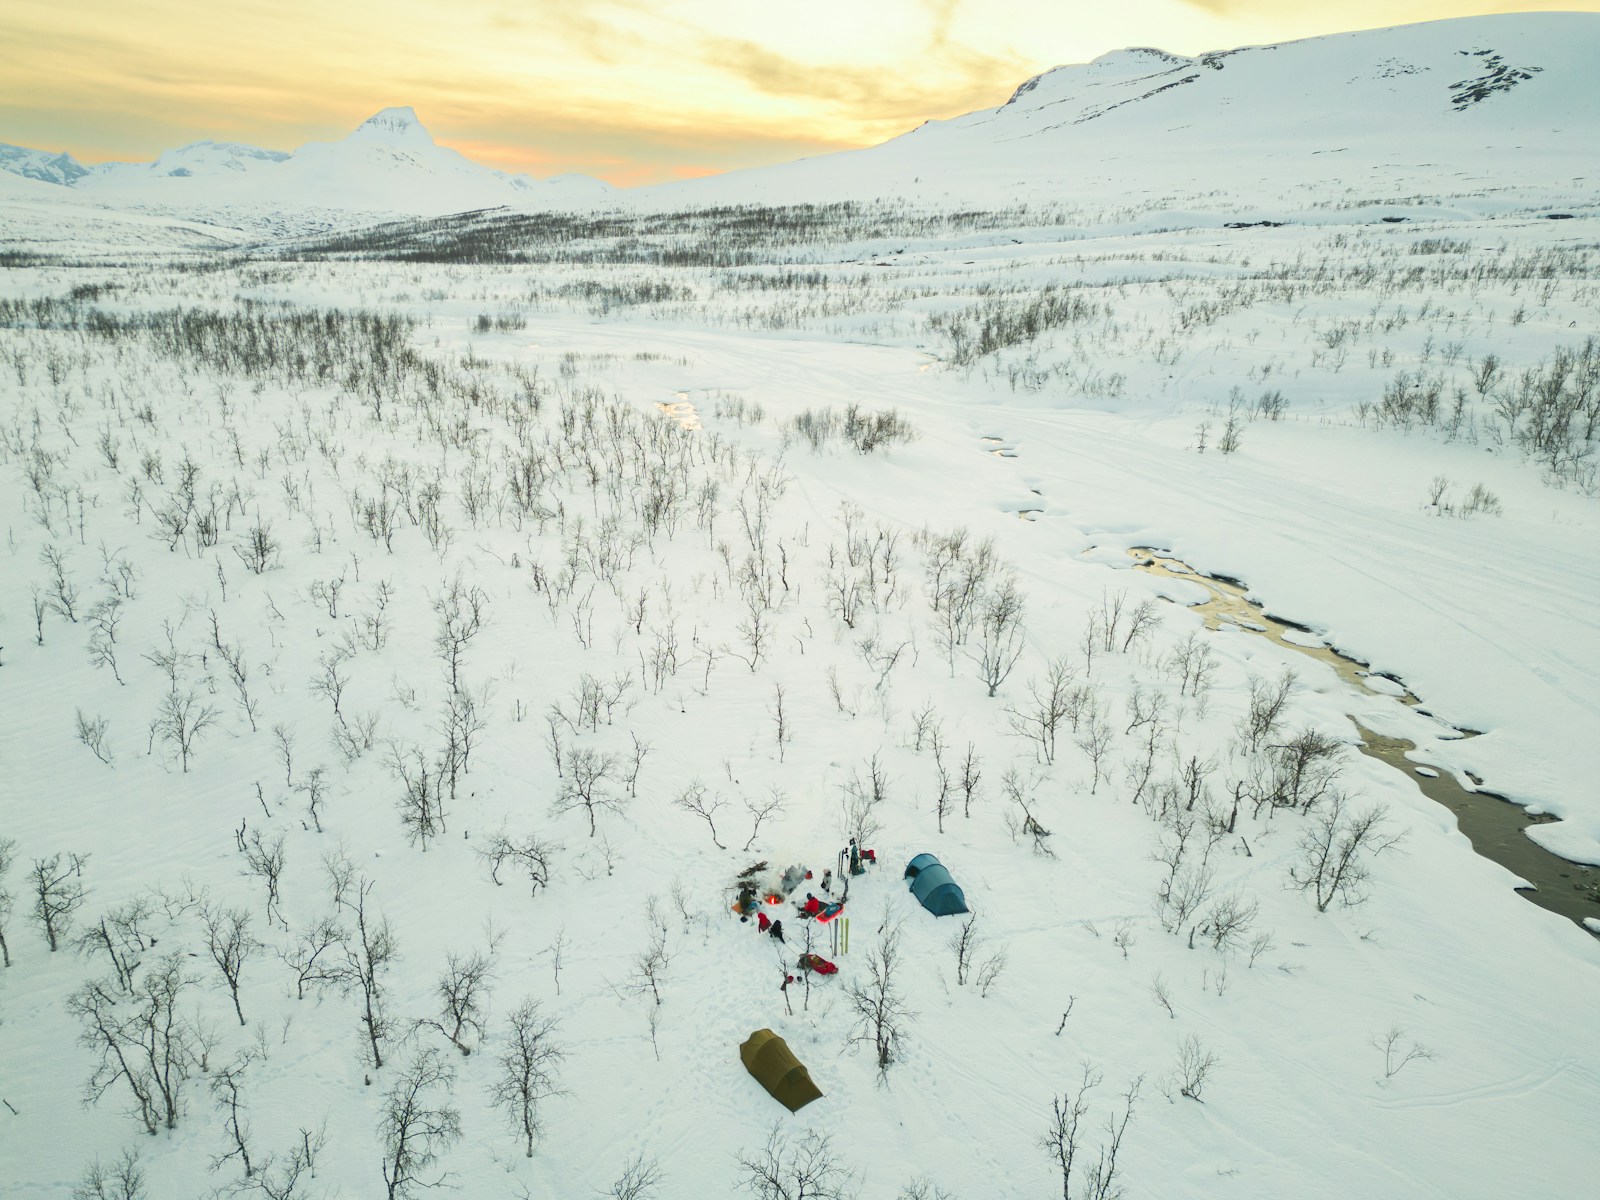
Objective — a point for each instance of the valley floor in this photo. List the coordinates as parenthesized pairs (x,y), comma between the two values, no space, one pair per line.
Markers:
(493,563)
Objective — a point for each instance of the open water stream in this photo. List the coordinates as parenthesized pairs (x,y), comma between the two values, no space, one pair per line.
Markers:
(1494,825)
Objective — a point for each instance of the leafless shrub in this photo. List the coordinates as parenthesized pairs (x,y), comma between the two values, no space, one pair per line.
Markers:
(1227,921)
(804,1168)
(58,892)
(144,1042)
(317,956)
(264,858)
(421,801)
(1095,741)
(92,733)
(1335,849)
(180,722)
(529,854)
(1193,1071)
(527,1076)
(260,548)
(104,618)
(231,945)
(1298,773)
(761,810)
(971,778)
(8,852)
(1262,943)
(1019,817)
(999,634)
(1162,994)
(1064,1140)
(416,1129)
(1049,705)
(1124,937)
(1398,1050)
(61,595)
(122,1179)
(585,787)
(462,992)
(369,951)
(1268,700)
(877,1001)
(641,1178)
(314,787)
(861,798)
(699,801)
(1194,663)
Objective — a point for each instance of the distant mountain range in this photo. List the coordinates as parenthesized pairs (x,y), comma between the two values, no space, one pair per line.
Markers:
(1494,113)
(390,164)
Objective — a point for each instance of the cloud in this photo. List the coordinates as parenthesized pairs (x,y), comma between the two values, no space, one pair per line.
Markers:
(605,32)
(956,80)
(626,151)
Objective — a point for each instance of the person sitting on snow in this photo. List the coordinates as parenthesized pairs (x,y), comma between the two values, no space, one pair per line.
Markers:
(747,901)
(776,932)
(811,907)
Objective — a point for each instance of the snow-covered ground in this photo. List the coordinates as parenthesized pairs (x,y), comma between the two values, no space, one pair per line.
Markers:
(553,521)
(1327,520)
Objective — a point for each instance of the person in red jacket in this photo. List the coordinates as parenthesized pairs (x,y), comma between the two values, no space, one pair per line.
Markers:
(811,907)
(763,921)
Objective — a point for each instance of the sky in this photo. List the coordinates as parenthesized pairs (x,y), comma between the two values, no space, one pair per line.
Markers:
(631,91)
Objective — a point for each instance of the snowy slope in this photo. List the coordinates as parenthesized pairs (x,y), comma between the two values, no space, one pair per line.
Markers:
(37,217)
(1454,107)
(392,162)
(523,455)
(202,160)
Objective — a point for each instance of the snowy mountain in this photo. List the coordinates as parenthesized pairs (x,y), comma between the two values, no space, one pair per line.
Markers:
(199,160)
(1483,109)
(390,164)
(1460,106)
(41,165)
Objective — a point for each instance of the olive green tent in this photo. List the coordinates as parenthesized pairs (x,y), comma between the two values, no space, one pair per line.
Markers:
(767,1057)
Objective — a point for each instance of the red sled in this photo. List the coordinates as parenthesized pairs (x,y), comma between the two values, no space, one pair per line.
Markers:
(817,964)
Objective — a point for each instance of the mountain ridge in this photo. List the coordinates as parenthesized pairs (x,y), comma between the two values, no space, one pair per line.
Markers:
(389,163)
(1487,105)
(1477,106)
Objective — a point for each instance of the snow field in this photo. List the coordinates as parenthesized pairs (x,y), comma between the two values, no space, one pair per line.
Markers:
(1442,949)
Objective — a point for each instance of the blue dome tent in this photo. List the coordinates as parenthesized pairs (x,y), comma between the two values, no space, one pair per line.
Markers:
(932,885)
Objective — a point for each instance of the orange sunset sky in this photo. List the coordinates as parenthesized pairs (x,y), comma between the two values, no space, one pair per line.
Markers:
(628,90)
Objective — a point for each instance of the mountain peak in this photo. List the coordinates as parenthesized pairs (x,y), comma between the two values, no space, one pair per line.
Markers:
(398,124)
(43,165)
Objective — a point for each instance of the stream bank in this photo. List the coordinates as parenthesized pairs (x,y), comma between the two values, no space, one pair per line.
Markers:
(1494,825)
